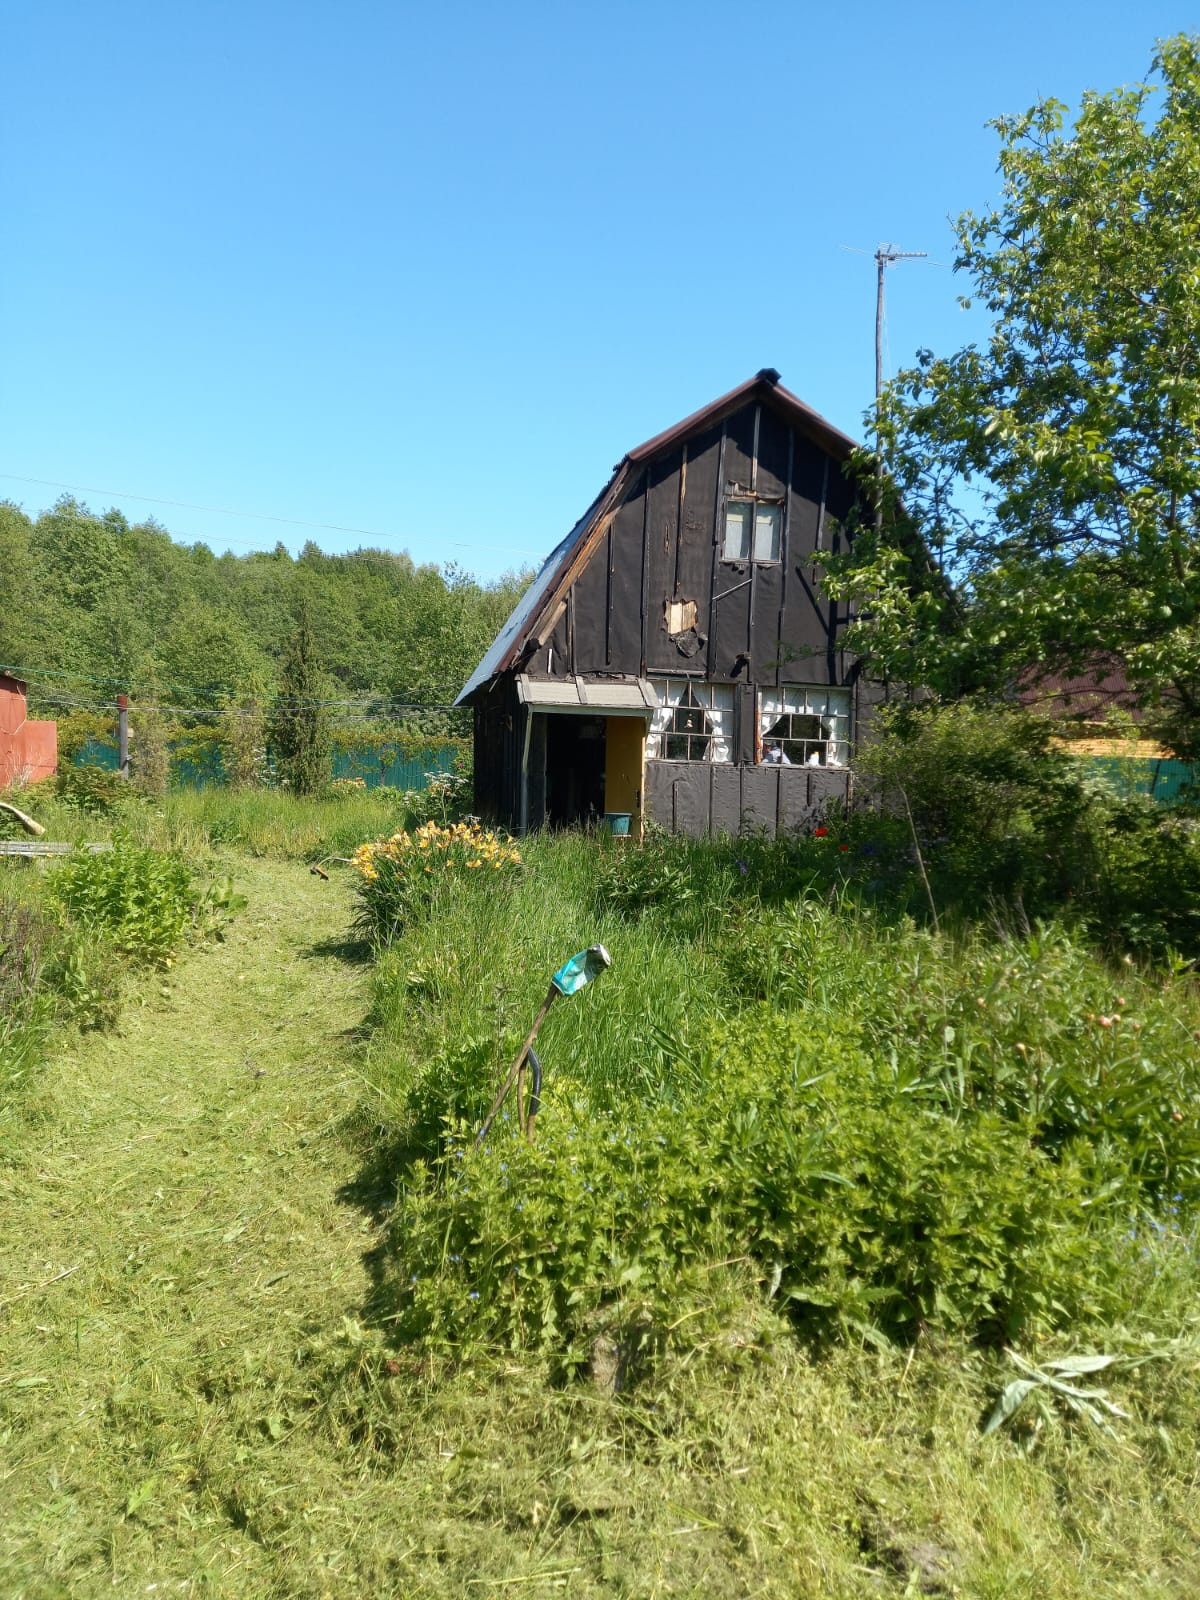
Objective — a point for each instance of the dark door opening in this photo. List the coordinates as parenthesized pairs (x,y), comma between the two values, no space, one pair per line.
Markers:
(574,769)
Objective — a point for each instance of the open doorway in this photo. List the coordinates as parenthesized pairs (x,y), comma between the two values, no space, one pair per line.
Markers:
(574,770)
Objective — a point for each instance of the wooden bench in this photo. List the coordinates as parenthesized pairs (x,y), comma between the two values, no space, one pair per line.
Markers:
(39,849)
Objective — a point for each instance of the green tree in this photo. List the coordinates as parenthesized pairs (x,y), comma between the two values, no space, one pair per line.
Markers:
(1055,470)
(243,735)
(149,741)
(299,724)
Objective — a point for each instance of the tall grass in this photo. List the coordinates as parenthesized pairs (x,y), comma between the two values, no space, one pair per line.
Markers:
(261,822)
(896,1126)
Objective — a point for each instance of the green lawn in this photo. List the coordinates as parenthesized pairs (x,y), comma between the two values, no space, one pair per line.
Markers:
(196,1395)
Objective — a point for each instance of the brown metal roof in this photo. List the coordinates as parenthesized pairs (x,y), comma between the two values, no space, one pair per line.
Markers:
(764,385)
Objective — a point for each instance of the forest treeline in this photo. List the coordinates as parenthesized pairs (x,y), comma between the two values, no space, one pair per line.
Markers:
(92,606)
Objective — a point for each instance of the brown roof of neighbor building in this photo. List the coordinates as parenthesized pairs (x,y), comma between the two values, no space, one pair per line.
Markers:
(1083,696)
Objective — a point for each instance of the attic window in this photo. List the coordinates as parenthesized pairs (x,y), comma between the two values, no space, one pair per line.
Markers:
(804,727)
(753,530)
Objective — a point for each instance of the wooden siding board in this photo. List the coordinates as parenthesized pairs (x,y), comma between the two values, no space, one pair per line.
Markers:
(805,617)
(659,796)
(625,583)
(828,788)
(590,603)
(760,798)
(739,448)
(711,657)
(794,809)
(726,799)
(804,500)
(768,609)
(662,532)
(774,437)
(731,618)
(692,787)
(696,532)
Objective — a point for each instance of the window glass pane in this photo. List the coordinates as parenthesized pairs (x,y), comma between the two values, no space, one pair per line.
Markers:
(737,531)
(693,722)
(805,725)
(768,520)
(721,721)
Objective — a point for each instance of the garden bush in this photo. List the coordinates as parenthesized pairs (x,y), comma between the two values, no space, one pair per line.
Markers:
(980,811)
(795,1160)
(812,1097)
(93,791)
(142,901)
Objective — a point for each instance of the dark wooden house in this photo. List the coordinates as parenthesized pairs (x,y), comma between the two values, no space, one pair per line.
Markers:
(675,657)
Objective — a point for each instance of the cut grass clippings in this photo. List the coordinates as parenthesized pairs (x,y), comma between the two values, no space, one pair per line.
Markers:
(192,1394)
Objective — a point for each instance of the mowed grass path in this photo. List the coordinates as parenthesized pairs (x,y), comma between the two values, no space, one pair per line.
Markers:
(170,1236)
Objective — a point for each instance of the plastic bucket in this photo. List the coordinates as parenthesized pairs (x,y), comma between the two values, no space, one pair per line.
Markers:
(618,823)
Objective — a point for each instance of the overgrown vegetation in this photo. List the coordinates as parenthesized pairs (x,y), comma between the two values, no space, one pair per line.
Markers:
(792,1185)
(886,1127)
(70,937)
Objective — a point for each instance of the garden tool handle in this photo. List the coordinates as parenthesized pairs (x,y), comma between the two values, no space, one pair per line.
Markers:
(511,1077)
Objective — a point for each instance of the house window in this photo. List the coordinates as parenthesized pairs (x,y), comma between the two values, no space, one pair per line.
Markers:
(804,726)
(753,530)
(694,721)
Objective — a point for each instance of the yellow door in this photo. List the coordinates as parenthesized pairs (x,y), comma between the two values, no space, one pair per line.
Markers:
(624,763)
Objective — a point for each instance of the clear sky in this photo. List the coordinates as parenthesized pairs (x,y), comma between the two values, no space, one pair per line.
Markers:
(428,271)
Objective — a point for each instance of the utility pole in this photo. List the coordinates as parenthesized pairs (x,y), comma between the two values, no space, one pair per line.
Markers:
(123,735)
(885,256)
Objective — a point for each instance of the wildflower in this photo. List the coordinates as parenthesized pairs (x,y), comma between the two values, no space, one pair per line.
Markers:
(820,833)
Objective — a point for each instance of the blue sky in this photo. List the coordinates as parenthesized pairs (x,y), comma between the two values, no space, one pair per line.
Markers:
(428,271)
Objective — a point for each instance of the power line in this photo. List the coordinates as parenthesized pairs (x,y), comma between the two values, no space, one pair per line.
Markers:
(35,674)
(384,713)
(257,516)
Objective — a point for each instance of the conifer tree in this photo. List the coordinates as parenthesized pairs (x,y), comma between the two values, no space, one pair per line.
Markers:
(299,726)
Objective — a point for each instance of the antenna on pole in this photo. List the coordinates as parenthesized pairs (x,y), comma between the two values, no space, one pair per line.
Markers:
(887,255)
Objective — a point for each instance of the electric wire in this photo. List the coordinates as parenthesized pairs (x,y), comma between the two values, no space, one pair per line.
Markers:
(257,516)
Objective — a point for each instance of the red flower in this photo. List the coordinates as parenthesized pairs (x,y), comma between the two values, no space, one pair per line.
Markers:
(820,833)
(843,848)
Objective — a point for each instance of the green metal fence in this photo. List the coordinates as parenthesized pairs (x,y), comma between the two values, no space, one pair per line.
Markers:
(203,768)
(1167,782)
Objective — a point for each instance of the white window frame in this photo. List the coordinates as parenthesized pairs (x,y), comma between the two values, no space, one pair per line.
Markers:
(715,700)
(828,704)
(757,508)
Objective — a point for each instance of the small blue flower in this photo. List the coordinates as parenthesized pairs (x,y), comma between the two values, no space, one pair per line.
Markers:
(474,1295)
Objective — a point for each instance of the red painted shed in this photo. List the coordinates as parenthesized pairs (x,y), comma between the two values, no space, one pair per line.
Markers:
(28,750)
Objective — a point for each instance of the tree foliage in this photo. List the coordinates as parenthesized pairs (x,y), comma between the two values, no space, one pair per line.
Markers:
(1055,469)
(93,606)
(299,719)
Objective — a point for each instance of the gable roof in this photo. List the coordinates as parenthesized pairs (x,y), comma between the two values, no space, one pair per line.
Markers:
(564,563)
